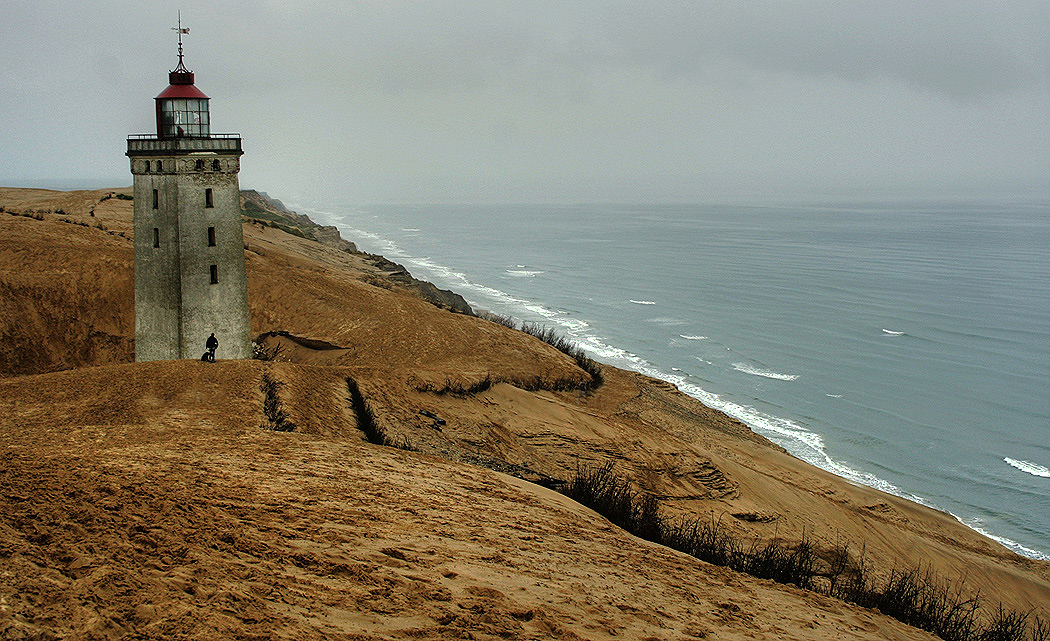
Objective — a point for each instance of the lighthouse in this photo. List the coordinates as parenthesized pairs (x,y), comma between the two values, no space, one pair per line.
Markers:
(190,279)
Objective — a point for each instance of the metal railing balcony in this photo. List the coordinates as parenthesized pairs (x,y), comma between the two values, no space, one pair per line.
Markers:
(152,144)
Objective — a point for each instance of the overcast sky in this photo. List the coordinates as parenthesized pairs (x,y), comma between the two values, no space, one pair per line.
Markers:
(418,101)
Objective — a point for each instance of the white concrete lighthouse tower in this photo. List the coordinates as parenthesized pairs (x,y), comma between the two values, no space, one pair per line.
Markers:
(189,250)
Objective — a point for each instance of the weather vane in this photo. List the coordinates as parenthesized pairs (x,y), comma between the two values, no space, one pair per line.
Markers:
(180,30)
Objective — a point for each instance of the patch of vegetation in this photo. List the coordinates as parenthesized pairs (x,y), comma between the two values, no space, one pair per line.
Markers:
(277,418)
(458,388)
(29,213)
(617,500)
(288,229)
(499,319)
(257,214)
(534,384)
(915,597)
(557,341)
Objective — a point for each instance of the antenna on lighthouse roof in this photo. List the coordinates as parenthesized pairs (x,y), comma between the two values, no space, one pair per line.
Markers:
(181,30)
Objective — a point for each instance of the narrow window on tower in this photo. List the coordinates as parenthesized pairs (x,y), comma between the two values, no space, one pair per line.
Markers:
(207,198)
(156,199)
(211,237)
(160,166)
(156,237)
(214,274)
(216,165)
(199,165)
(147,166)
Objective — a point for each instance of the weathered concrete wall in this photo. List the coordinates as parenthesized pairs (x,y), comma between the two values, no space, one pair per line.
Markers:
(220,307)
(157,276)
(177,304)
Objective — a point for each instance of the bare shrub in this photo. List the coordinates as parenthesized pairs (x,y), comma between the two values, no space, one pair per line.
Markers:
(499,319)
(458,388)
(550,336)
(916,597)
(616,499)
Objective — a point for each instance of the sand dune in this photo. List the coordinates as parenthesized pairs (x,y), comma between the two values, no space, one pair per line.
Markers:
(148,499)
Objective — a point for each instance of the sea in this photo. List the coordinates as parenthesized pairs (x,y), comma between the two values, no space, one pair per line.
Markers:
(901,345)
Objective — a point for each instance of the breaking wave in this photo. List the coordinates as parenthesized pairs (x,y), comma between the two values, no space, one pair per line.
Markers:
(977,525)
(1031,468)
(643,302)
(754,371)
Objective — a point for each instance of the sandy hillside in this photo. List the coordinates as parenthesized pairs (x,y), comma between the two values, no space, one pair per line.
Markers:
(148,499)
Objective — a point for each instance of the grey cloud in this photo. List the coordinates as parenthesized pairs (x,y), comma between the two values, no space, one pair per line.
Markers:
(957,49)
(408,100)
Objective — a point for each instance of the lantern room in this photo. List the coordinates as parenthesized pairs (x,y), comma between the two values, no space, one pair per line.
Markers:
(182,108)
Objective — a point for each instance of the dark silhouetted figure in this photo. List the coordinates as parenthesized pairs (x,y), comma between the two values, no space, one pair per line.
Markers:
(212,344)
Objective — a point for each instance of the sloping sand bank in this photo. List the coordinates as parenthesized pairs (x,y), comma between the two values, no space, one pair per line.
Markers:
(190,521)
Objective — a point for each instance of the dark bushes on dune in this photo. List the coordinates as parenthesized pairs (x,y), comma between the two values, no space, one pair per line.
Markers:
(457,388)
(915,597)
(499,319)
(617,500)
(550,336)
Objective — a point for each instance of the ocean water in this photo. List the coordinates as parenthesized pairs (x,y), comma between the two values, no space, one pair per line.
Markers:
(905,346)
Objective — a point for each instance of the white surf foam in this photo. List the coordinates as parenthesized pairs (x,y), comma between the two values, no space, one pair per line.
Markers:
(459,282)
(1031,468)
(693,338)
(977,525)
(524,273)
(754,371)
(643,302)
(891,332)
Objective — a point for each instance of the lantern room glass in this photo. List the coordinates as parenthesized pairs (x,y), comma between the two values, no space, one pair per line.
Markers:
(185,118)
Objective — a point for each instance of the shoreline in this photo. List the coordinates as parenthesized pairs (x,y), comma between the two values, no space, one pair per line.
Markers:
(779,431)
(801,443)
